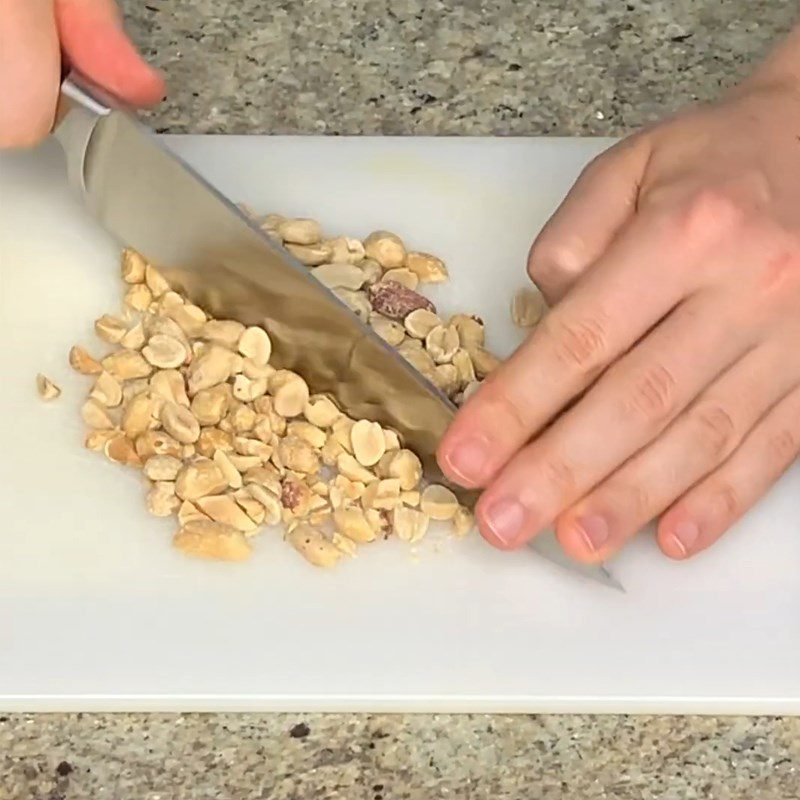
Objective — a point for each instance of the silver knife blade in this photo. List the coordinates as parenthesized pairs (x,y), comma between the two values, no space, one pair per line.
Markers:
(546,545)
(154,202)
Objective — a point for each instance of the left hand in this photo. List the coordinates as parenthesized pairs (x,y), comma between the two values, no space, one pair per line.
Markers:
(675,261)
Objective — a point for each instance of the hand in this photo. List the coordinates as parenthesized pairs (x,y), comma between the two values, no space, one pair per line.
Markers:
(37,35)
(666,379)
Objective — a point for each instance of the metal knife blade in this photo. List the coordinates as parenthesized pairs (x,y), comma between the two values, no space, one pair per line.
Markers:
(154,202)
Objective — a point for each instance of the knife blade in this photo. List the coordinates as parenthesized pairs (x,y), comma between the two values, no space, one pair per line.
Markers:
(151,200)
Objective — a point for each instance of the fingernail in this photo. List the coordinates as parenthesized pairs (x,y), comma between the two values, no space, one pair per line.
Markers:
(505,519)
(686,535)
(594,531)
(468,459)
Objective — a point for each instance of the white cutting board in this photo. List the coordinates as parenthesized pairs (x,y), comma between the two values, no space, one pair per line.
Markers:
(98,612)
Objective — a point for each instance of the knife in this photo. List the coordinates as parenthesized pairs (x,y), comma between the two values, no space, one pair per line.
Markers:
(152,201)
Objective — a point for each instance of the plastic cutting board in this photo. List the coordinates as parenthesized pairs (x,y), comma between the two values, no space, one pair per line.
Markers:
(98,612)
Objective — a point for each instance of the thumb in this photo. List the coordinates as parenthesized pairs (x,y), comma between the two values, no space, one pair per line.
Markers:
(597,207)
(93,42)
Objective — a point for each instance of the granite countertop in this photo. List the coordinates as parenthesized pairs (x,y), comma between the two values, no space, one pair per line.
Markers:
(447,67)
(463,67)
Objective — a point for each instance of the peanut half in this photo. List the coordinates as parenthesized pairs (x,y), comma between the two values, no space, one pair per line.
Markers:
(438,502)
(368,442)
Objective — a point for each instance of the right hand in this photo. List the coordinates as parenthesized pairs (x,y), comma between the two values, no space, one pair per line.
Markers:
(40,39)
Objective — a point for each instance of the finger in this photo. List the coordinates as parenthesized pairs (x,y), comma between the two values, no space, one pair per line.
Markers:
(702,515)
(602,200)
(636,399)
(636,283)
(29,71)
(695,444)
(95,44)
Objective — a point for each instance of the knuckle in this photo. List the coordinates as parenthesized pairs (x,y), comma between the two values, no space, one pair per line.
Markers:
(708,214)
(641,500)
(606,162)
(781,272)
(729,500)
(580,345)
(560,475)
(551,261)
(635,500)
(652,395)
(718,431)
(784,445)
(506,409)
(594,166)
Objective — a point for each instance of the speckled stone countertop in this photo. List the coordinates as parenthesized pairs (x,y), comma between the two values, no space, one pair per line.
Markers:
(419,67)
(445,66)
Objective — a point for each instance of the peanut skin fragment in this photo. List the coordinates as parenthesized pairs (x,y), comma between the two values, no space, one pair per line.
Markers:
(395,301)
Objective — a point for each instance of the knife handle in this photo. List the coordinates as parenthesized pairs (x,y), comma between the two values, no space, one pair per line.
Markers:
(81,105)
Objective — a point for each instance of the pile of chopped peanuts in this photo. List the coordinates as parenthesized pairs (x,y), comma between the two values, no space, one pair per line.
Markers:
(230,445)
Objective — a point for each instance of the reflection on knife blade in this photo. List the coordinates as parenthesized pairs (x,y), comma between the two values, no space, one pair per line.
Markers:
(211,252)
